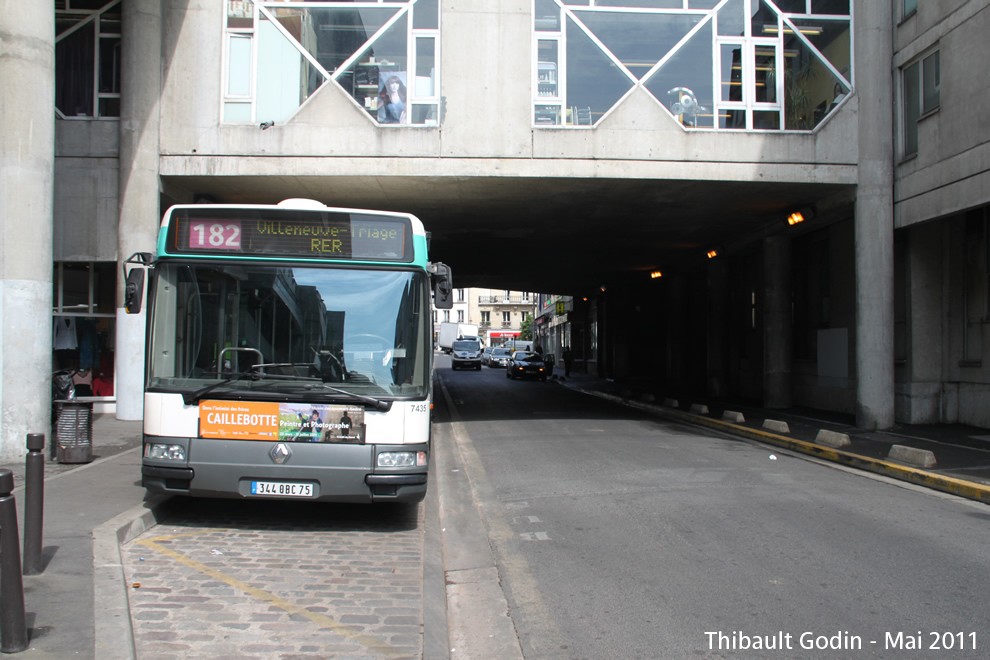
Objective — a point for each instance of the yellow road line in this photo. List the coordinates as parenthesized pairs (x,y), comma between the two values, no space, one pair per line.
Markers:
(319,619)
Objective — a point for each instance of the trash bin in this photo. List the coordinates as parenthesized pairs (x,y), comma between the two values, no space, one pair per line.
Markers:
(72,431)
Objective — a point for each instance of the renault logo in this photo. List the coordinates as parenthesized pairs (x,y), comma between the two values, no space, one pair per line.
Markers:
(280,453)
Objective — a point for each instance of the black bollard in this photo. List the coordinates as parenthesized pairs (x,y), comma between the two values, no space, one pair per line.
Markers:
(34,503)
(13,628)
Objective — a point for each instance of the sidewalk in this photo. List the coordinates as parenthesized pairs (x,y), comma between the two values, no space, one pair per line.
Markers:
(953,458)
(61,611)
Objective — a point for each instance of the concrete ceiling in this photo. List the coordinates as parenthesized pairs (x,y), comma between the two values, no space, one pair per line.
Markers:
(558,235)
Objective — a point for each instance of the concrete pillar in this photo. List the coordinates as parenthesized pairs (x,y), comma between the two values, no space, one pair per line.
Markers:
(718,335)
(923,390)
(140,216)
(676,344)
(27,166)
(778,346)
(874,221)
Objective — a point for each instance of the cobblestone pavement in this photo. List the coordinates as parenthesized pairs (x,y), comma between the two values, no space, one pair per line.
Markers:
(231,579)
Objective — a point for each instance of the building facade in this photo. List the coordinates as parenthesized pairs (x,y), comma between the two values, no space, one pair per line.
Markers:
(498,313)
(879,307)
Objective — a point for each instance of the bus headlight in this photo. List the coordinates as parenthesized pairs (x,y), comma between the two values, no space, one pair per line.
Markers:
(402,459)
(165,452)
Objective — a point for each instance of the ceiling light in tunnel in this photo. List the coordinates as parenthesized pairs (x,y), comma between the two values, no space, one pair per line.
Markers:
(656,274)
(795,218)
(712,253)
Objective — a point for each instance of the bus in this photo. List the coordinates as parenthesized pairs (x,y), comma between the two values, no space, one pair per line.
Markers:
(289,352)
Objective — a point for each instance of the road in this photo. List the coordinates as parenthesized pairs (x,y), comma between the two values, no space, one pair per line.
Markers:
(618,535)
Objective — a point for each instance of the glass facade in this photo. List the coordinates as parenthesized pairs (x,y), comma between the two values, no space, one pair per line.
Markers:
(383,54)
(722,65)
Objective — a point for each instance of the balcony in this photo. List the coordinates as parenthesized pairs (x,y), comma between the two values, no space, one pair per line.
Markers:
(505,300)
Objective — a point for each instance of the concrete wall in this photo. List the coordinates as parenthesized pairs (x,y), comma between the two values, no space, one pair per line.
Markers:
(486,79)
(85,209)
(949,174)
(86,189)
(951,171)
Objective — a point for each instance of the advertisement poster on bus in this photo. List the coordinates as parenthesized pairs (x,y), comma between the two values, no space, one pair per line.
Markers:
(285,422)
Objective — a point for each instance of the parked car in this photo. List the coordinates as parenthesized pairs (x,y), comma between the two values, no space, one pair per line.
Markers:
(465,353)
(500,357)
(486,354)
(525,364)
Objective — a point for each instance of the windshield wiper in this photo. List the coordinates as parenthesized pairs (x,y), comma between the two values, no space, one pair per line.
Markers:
(190,398)
(368,401)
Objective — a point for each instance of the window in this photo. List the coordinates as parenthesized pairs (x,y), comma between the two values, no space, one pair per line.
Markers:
(460,295)
(87,62)
(506,319)
(908,7)
(486,318)
(384,54)
(920,85)
(460,316)
(446,316)
(729,65)
(84,317)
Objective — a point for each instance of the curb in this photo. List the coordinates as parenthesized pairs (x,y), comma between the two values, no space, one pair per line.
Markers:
(113,636)
(478,622)
(919,477)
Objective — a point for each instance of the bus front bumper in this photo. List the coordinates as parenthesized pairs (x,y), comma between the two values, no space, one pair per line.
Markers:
(233,469)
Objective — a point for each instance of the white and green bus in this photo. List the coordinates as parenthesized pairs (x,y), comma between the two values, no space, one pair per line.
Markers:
(289,352)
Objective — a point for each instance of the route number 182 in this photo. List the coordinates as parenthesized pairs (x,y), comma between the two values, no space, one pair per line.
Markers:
(215,235)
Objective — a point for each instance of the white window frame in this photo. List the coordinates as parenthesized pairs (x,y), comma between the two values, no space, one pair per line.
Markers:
(749,43)
(259,7)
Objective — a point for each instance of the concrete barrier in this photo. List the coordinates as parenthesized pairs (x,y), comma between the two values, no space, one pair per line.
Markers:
(670,403)
(776,426)
(699,409)
(733,416)
(832,439)
(912,456)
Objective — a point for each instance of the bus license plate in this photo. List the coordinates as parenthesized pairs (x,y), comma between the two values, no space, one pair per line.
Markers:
(281,488)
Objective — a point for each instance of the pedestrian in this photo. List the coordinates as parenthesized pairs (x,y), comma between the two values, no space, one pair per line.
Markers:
(568,361)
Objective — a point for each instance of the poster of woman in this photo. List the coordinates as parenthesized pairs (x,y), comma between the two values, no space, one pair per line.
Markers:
(392,98)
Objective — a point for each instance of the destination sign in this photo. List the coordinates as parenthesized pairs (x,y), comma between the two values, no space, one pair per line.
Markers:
(290,233)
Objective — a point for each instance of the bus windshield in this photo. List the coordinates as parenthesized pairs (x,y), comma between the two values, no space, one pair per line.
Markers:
(287,332)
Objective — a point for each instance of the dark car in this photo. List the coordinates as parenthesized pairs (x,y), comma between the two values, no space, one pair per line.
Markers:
(526,364)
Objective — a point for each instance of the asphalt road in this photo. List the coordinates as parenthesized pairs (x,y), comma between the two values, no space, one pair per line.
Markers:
(618,535)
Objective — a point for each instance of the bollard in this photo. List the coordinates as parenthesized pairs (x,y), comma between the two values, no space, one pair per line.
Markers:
(13,629)
(34,503)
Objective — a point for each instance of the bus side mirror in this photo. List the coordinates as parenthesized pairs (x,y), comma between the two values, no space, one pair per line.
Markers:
(134,281)
(134,291)
(442,286)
